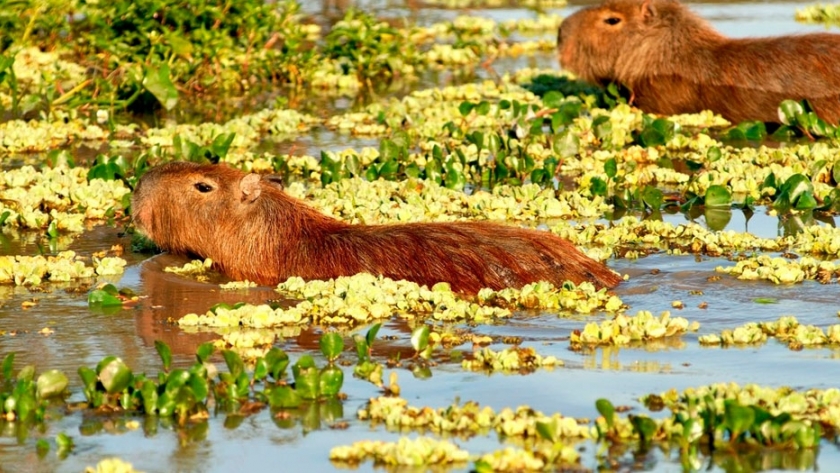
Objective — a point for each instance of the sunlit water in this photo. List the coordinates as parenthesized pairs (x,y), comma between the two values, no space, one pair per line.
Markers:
(262,443)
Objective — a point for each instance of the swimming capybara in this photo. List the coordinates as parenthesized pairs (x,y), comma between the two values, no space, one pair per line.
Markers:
(675,62)
(253,230)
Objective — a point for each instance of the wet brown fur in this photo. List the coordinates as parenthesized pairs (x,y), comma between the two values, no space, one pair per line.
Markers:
(674,62)
(253,230)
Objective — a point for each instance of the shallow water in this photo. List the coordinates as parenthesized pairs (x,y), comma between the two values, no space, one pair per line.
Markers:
(263,443)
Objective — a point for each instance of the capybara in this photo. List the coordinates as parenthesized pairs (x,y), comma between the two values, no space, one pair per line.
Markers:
(253,230)
(675,62)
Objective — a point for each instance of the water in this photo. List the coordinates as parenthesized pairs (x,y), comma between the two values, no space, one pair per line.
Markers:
(262,442)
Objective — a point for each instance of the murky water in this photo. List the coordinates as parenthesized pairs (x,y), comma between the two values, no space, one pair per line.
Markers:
(263,443)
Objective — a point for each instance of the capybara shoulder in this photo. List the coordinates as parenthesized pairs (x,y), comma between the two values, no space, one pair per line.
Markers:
(675,62)
(253,230)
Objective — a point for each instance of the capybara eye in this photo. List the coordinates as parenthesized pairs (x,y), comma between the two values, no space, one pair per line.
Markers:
(612,20)
(203,187)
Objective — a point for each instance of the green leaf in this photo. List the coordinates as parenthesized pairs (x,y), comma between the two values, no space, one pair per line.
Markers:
(420,338)
(8,362)
(283,397)
(51,383)
(598,186)
(652,197)
(165,354)
(149,395)
(737,418)
(277,361)
(234,363)
(644,426)
(765,300)
(717,218)
(611,168)
(221,144)
(547,430)
(89,377)
(307,377)
(113,374)
(465,108)
(203,352)
(718,196)
(158,83)
(713,154)
(789,110)
(102,298)
(553,99)
(260,369)
(331,378)
(607,410)
(332,344)
(483,108)
(566,144)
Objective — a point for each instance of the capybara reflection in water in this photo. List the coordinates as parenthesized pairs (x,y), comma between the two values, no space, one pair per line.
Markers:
(253,230)
(674,62)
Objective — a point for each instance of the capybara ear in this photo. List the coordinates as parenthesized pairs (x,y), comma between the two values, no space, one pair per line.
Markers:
(275,180)
(648,10)
(250,187)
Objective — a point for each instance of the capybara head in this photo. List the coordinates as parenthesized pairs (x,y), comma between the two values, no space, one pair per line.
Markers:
(184,207)
(619,40)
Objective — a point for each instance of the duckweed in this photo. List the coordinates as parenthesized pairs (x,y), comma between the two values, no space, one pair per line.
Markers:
(514,359)
(65,266)
(624,329)
(468,419)
(404,452)
(786,329)
(782,270)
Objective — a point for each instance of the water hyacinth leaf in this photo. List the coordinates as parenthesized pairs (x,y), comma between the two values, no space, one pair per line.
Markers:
(307,377)
(234,363)
(221,144)
(176,379)
(717,218)
(566,144)
(283,397)
(713,154)
(203,352)
(89,377)
(113,374)
(362,347)
(199,387)
(765,300)
(331,344)
(483,108)
(718,196)
(602,126)
(789,110)
(652,197)
(737,418)
(27,373)
(277,361)
(149,396)
(331,379)
(101,298)
(611,168)
(51,383)
(166,404)
(64,441)
(598,186)
(370,335)
(644,426)
(4,216)
(420,338)
(260,369)
(159,84)
(553,99)
(8,362)
(165,354)
(796,186)
(25,405)
(465,108)
(607,410)
(547,430)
